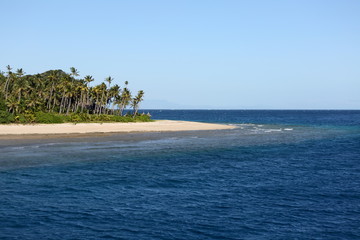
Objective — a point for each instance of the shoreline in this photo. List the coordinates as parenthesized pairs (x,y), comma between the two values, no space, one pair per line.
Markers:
(18,131)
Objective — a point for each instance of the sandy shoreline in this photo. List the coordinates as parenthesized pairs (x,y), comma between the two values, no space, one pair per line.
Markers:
(91,128)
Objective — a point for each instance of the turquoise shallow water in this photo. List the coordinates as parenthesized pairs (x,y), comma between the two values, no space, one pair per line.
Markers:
(279,175)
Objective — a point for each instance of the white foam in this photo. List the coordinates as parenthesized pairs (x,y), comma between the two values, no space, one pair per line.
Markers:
(16,148)
(273,130)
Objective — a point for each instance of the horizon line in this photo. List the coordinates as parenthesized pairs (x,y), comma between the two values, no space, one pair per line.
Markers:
(254,109)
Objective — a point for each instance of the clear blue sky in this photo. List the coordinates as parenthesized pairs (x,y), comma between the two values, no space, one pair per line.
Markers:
(290,54)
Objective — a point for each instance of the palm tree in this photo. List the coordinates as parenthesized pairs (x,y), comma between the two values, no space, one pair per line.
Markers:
(12,104)
(123,100)
(88,79)
(20,72)
(52,77)
(109,80)
(82,88)
(136,101)
(69,95)
(113,93)
(70,90)
(101,93)
(63,86)
(8,78)
(107,92)
(41,92)
(2,78)
(20,85)
(74,72)
(97,91)
(33,103)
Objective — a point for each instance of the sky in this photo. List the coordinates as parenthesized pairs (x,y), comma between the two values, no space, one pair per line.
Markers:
(196,54)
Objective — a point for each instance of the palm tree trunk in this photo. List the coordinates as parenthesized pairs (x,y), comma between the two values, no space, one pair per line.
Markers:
(122,109)
(135,111)
(6,87)
(101,103)
(68,108)
(51,93)
(53,106)
(62,102)
(113,107)
(82,102)
(19,97)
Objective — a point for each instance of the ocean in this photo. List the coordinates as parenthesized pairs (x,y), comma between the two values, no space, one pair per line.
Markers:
(278,175)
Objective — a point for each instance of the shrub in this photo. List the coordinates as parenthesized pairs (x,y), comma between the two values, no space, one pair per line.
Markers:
(74,118)
(20,118)
(42,117)
(127,118)
(29,117)
(143,118)
(6,117)
(104,118)
(2,103)
(84,117)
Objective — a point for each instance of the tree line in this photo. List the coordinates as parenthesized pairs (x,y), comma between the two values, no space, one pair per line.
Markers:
(56,91)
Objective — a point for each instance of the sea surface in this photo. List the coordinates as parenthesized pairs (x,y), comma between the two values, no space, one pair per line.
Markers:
(278,175)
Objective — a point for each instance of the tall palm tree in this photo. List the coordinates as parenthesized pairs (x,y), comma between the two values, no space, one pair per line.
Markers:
(136,102)
(88,79)
(74,72)
(20,85)
(103,99)
(97,92)
(20,72)
(114,92)
(69,96)
(83,90)
(70,92)
(52,78)
(63,86)
(109,80)
(8,78)
(123,100)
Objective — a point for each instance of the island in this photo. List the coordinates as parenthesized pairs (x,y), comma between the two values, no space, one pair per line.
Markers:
(57,97)
(56,102)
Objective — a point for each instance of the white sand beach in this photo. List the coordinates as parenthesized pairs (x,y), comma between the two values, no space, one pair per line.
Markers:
(83,128)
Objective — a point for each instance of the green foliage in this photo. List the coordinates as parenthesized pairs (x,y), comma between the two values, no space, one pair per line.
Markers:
(124,119)
(42,117)
(2,103)
(30,117)
(143,118)
(73,118)
(104,118)
(20,119)
(57,97)
(80,117)
(6,117)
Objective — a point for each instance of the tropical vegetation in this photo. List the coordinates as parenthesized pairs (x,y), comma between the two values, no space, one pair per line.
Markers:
(56,96)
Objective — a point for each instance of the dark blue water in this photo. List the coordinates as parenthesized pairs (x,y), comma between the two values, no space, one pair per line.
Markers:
(279,175)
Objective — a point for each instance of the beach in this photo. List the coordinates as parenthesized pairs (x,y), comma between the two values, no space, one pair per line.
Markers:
(91,128)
